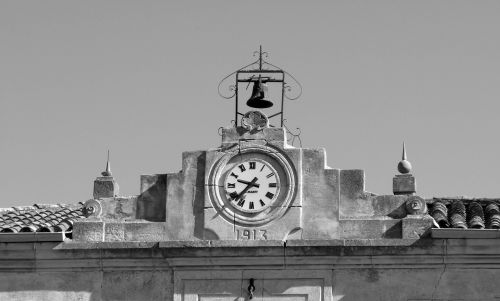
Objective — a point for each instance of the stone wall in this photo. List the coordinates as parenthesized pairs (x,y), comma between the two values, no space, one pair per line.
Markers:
(380,269)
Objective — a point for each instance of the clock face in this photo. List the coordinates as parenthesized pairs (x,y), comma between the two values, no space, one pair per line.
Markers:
(252,185)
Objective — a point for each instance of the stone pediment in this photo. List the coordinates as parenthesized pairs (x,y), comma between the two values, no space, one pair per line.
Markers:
(254,187)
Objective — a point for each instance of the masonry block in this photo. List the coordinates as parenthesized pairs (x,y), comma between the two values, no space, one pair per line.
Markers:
(152,200)
(370,228)
(118,208)
(88,230)
(352,184)
(320,196)
(404,184)
(105,187)
(146,231)
(185,196)
(114,231)
(416,226)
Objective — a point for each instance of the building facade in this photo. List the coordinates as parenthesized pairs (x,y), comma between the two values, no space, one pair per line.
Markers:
(187,236)
(253,219)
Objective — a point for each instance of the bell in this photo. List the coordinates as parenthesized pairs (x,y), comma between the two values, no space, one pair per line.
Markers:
(257,99)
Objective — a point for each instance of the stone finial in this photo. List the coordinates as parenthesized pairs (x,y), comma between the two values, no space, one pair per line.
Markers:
(404,166)
(105,186)
(405,182)
(107,172)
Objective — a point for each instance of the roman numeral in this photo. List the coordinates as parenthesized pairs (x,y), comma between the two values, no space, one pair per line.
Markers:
(241,202)
(233,185)
(233,195)
(262,167)
(272,185)
(262,203)
(233,175)
(242,167)
(252,165)
(270,175)
(250,206)
(269,195)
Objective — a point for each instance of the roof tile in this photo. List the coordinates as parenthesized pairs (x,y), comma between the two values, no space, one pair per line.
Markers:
(466,213)
(40,218)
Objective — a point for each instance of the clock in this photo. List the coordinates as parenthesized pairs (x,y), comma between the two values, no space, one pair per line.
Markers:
(252,186)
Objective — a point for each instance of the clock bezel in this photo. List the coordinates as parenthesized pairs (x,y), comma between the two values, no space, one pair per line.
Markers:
(272,201)
(287,190)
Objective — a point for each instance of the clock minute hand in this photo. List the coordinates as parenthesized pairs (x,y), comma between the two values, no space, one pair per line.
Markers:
(249,183)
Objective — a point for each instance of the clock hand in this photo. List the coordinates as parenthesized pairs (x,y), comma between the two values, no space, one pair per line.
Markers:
(248,182)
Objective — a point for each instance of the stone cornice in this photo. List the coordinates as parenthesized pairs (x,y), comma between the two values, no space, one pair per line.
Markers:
(335,254)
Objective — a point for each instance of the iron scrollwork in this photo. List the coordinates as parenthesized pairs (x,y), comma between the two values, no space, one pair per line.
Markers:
(260,73)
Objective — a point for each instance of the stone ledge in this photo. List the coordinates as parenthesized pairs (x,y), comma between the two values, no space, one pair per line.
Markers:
(72,245)
(465,233)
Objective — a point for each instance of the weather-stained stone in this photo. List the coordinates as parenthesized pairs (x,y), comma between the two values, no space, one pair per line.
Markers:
(392,206)
(235,134)
(151,202)
(146,231)
(218,228)
(370,228)
(114,231)
(105,187)
(294,155)
(352,184)
(81,285)
(415,226)
(136,285)
(278,229)
(369,205)
(185,193)
(88,230)
(119,208)
(320,197)
(404,184)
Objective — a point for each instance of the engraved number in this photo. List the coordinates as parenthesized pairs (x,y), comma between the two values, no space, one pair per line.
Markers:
(254,234)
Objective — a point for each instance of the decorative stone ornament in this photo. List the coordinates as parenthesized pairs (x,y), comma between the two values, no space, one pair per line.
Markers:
(106,186)
(254,121)
(405,182)
(404,166)
(92,208)
(415,205)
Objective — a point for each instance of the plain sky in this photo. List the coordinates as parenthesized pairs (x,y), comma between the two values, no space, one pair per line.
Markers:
(140,78)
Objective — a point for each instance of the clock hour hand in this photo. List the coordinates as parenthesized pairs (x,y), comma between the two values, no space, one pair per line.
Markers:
(249,183)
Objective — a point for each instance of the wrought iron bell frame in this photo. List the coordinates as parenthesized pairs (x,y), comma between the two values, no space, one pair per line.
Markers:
(267,73)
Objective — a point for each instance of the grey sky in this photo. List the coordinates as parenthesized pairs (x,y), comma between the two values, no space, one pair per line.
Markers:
(140,78)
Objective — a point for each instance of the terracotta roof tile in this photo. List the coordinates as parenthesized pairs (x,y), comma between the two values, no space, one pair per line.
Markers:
(40,218)
(465,213)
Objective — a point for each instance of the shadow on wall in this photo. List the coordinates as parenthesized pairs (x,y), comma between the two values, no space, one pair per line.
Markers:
(199,198)
(151,202)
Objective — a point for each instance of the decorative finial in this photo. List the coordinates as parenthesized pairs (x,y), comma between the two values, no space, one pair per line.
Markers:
(260,57)
(107,172)
(404,166)
(404,151)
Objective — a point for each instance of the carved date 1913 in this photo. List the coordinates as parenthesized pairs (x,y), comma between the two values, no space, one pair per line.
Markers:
(251,234)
